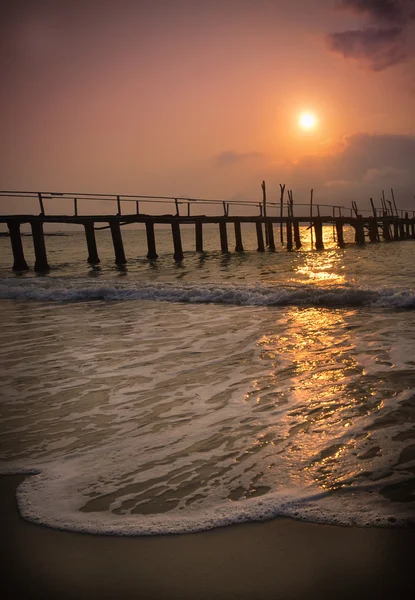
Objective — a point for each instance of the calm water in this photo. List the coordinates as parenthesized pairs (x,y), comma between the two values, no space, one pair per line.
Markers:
(171,398)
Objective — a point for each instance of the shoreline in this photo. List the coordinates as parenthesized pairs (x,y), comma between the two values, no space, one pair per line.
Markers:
(277,559)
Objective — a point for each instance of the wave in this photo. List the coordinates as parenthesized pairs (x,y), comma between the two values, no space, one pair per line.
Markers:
(75,290)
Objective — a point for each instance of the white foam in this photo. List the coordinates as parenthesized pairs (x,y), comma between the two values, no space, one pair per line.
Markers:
(70,290)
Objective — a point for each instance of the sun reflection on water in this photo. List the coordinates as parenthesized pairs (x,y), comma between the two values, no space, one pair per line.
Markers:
(322,267)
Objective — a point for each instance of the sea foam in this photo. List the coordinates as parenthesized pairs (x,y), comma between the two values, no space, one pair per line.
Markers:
(71,290)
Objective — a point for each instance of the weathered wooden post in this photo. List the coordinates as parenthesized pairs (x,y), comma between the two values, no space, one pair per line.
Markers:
(260,236)
(151,241)
(19,262)
(402,234)
(297,237)
(91,243)
(373,229)
(199,235)
(177,241)
(386,229)
(282,188)
(407,232)
(117,242)
(41,260)
(318,230)
(339,233)
(264,210)
(395,229)
(238,237)
(359,231)
(289,235)
(223,237)
(270,235)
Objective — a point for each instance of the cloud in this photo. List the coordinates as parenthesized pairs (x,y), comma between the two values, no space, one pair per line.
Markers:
(230,157)
(358,169)
(384,43)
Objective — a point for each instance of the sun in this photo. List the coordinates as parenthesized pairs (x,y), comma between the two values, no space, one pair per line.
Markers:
(307,121)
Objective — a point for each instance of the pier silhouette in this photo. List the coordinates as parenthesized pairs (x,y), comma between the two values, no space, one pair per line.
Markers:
(386,223)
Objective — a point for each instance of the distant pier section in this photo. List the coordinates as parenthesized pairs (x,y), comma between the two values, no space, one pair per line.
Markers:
(384,223)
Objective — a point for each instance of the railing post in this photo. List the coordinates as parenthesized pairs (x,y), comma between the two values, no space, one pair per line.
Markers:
(118,206)
(42,209)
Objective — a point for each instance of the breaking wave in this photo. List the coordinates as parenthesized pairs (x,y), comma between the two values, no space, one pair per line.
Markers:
(70,290)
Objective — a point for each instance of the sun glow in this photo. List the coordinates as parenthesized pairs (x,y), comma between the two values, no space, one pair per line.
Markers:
(307,121)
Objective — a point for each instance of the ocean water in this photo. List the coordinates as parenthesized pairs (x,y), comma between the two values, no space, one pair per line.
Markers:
(168,398)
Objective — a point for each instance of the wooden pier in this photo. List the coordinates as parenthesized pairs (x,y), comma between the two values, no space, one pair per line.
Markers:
(386,225)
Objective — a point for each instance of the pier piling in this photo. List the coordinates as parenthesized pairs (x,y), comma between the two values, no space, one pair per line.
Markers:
(289,235)
(260,236)
(297,237)
(19,262)
(318,230)
(151,241)
(117,242)
(223,237)
(373,230)
(177,241)
(91,243)
(339,234)
(359,231)
(238,237)
(199,236)
(41,260)
(270,235)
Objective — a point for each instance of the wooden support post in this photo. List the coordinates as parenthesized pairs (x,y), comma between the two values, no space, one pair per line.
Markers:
(395,229)
(223,237)
(339,233)
(177,241)
(269,230)
(19,262)
(199,236)
(407,232)
(373,229)
(289,235)
(412,228)
(41,260)
(117,241)
(264,212)
(297,237)
(151,241)
(359,231)
(282,188)
(238,237)
(91,243)
(318,230)
(260,237)
(402,234)
(386,230)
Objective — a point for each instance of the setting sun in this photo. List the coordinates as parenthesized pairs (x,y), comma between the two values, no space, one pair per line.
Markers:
(307,121)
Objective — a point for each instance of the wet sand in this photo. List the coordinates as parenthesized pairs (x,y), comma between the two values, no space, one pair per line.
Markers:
(278,559)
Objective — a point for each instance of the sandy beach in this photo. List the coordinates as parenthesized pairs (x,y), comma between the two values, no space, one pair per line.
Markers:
(281,559)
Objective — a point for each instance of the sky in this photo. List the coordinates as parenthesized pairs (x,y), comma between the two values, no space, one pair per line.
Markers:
(201,98)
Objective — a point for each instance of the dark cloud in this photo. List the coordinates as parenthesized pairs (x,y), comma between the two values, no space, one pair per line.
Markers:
(359,168)
(229,157)
(381,48)
(385,42)
(388,10)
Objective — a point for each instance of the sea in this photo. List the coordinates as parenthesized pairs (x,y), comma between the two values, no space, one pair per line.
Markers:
(162,397)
